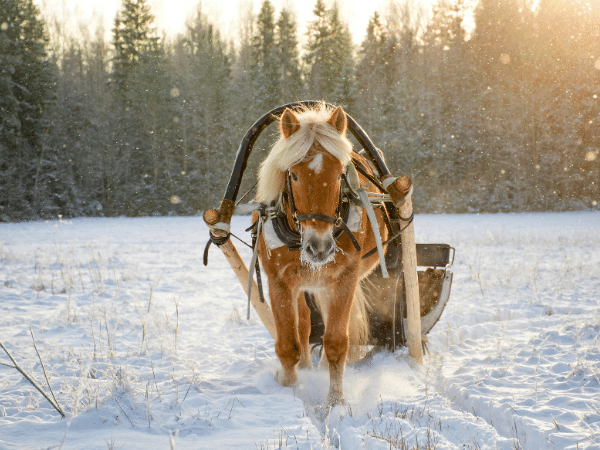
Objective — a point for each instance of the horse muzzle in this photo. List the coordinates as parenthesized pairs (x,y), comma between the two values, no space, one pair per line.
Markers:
(317,248)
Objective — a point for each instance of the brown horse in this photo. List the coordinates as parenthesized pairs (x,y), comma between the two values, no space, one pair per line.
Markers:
(303,176)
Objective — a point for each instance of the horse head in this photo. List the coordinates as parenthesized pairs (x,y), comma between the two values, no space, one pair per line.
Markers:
(313,189)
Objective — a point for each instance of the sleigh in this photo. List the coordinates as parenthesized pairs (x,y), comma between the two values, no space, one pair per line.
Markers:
(408,291)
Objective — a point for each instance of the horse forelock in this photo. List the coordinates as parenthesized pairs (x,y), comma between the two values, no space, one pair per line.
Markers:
(291,151)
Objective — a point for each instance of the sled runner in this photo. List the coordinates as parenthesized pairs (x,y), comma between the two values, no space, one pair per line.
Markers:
(332,228)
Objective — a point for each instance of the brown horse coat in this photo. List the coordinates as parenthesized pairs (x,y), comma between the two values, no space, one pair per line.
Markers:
(313,151)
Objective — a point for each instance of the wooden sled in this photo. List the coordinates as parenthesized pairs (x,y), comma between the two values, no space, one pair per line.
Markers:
(405,306)
(387,298)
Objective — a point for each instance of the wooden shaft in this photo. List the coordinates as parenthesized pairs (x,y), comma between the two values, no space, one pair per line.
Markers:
(239,267)
(411,282)
(399,190)
(211,216)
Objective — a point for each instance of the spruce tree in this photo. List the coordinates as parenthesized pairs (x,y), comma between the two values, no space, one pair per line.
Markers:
(242,73)
(329,58)
(9,105)
(316,57)
(450,144)
(206,131)
(342,56)
(134,38)
(26,90)
(64,170)
(143,124)
(370,77)
(290,77)
(266,62)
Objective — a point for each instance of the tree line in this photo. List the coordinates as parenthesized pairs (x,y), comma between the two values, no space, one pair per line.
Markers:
(499,115)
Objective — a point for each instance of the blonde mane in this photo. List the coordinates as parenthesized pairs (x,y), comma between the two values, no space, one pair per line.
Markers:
(288,152)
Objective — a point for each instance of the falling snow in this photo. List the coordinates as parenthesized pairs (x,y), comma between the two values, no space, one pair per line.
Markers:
(140,340)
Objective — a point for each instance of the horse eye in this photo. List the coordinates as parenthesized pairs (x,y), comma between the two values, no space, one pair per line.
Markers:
(294,176)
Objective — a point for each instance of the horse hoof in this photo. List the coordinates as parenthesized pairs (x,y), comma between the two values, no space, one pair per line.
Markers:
(307,365)
(334,400)
(286,379)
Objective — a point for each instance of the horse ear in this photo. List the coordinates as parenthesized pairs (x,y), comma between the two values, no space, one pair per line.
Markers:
(338,120)
(289,123)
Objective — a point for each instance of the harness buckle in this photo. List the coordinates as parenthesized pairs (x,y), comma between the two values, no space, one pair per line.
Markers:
(338,220)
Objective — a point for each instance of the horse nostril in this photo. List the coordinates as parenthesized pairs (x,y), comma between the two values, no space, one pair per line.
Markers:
(320,250)
(327,250)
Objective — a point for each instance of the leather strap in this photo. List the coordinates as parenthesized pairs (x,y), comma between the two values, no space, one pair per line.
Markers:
(339,222)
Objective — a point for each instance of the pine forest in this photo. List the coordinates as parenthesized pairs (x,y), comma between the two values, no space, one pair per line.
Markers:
(490,107)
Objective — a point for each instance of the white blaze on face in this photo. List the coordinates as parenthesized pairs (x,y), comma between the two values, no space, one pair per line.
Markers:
(316,165)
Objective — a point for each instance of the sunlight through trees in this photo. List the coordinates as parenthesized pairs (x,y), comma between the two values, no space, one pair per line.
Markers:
(490,109)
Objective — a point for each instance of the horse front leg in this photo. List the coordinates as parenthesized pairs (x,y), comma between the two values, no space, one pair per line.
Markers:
(304,332)
(336,337)
(287,345)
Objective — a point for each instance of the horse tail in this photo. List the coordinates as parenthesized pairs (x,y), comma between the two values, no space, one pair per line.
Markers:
(359,329)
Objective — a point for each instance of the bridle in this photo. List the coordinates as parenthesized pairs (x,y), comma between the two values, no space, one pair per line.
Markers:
(339,221)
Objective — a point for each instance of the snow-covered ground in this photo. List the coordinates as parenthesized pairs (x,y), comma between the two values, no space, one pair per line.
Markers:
(139,339)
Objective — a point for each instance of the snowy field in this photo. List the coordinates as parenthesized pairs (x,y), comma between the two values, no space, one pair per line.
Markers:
(140,340)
